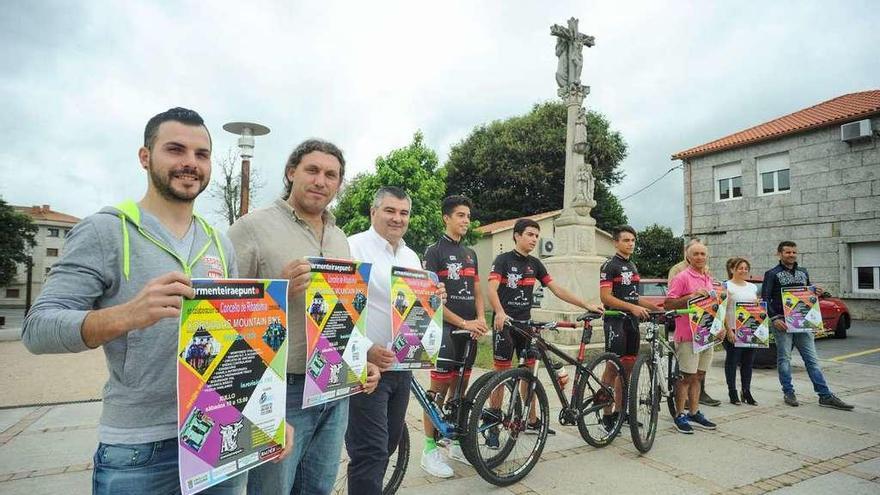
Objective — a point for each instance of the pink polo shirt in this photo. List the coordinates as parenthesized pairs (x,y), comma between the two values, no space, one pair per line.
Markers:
(686,282)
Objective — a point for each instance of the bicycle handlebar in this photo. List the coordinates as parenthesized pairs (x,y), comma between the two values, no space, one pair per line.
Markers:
(540,325)
(666,314)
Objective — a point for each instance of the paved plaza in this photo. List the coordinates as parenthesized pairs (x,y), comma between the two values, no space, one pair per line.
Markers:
(772,448)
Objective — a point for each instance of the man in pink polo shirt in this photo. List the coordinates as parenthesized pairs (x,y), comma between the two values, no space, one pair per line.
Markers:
(692,282)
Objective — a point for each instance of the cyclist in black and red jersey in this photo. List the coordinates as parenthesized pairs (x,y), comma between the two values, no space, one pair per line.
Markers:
(619,290)
(511,283)
(456,266)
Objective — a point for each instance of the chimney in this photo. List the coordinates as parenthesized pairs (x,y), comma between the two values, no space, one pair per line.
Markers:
(45,209)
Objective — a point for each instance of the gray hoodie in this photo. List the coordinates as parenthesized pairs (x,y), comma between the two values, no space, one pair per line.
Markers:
(94,272)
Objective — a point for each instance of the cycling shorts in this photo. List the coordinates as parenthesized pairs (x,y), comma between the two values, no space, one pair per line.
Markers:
(453,348)
(622,336)
(506,342)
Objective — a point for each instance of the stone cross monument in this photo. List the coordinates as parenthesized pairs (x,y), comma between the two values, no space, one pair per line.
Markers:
(575,264)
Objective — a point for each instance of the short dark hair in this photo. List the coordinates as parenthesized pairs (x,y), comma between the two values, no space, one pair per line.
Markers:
(450,203)
(522,224)
(784,244)
(306,147)
(390,191)
(615,234)
(176,114)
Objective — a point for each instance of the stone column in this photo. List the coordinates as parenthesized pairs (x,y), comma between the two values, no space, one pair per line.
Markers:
(575,265)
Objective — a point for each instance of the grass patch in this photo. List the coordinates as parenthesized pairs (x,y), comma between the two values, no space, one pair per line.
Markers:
(484,354)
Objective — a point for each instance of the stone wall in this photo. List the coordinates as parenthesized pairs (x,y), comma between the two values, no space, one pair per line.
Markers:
(834,200)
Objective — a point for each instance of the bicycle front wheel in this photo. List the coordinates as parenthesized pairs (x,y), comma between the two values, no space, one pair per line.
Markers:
(602,400)
(499,444)
(644,404)
(671,379)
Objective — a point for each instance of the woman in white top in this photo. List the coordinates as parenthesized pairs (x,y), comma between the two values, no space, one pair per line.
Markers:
(738,290)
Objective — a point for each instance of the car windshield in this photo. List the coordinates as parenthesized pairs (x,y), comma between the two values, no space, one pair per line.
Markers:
(652,289)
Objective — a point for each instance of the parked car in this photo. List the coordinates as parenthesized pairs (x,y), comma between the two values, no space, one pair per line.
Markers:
(653,290)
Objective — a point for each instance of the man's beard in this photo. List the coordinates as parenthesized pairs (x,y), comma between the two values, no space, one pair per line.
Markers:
(163,185)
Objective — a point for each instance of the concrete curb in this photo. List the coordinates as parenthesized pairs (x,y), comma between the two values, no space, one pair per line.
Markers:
(10,334)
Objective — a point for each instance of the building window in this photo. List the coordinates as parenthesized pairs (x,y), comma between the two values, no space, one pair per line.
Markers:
(54,232)
(773,174)
(12,294)
(51,251)
(728,181)
(66,233)
(866,266)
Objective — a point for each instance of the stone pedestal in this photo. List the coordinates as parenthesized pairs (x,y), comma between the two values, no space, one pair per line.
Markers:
(577,271)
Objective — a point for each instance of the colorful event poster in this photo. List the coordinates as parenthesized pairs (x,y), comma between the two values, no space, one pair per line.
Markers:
(336,340)
(800,305)
(231,379)
(751,326)
(706,324)
(416,318)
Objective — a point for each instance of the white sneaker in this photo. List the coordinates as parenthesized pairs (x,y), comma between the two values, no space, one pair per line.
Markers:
(433,464)
(455,453)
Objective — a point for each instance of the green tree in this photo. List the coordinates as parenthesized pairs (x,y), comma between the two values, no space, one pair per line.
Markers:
(608,211)
(17,236)
(657,249)
(516,167)
(414,168)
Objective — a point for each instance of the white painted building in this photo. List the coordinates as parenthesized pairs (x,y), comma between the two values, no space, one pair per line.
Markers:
(53,229)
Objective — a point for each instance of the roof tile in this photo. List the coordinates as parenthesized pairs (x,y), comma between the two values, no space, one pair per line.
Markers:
(491,228)
(835,111)
(46,214)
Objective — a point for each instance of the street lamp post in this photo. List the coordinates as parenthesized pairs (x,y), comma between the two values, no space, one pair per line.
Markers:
(246,131)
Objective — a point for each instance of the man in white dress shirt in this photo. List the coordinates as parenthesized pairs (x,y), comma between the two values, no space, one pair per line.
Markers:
(376,421)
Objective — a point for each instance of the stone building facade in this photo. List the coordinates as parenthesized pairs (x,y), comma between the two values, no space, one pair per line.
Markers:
(794,178)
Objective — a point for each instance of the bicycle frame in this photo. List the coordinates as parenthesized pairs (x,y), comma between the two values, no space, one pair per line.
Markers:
(660,348)
(545,349)
(451,430)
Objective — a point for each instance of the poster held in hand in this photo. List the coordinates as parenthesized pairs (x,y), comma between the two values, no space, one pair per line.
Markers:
(752,327)
(231,379)
(416,318)
(800,306)
(336,341)
(706,320)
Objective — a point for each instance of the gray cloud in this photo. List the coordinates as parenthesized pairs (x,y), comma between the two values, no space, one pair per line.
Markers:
(84,77)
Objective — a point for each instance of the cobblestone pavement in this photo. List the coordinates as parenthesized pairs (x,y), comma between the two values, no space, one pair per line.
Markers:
(771,448)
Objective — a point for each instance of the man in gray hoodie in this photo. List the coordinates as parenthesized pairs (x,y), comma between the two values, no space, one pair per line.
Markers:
(118,285)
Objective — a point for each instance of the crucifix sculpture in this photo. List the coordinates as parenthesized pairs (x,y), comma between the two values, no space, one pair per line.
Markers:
(569,49)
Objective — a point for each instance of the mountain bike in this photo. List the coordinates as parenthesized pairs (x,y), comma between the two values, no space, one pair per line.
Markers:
(654,375)
(500,444)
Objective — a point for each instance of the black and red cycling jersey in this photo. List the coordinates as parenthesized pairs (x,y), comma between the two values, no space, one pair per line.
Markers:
(621,276)
(517,275)
(457,268)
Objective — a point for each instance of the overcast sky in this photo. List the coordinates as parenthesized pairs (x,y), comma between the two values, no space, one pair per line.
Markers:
(80,80)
